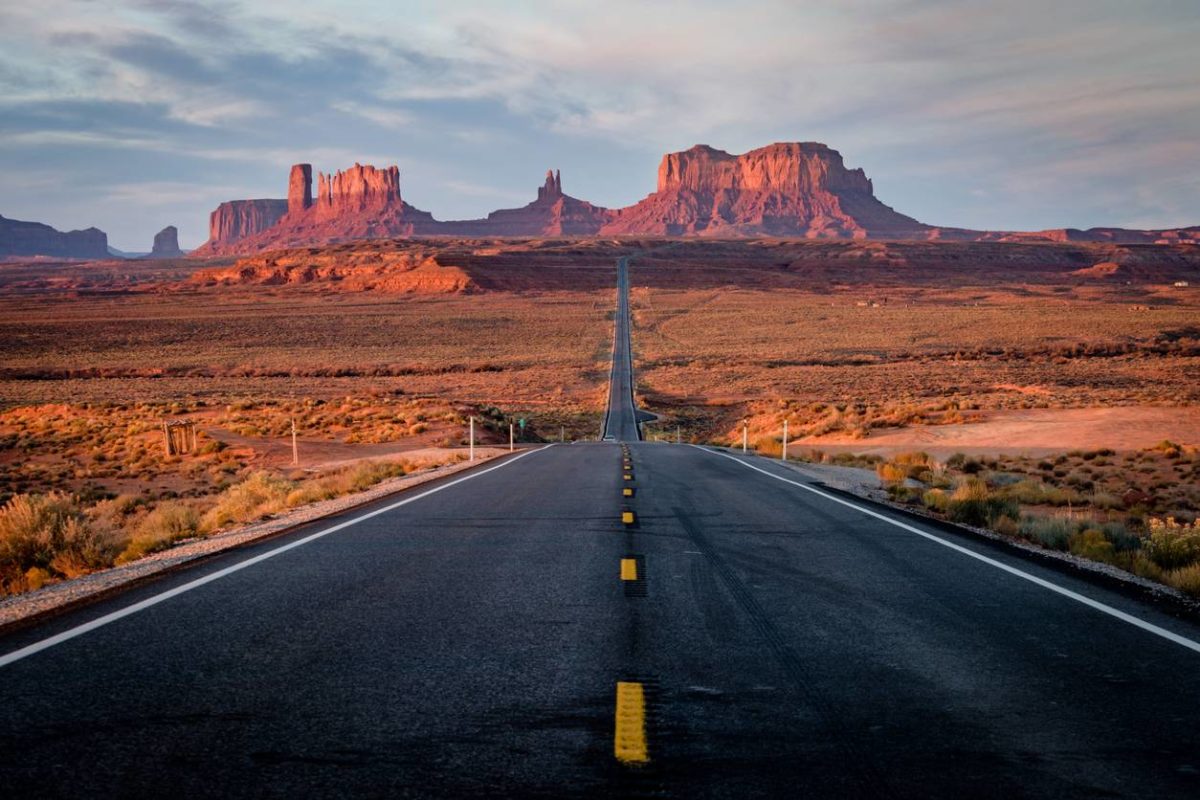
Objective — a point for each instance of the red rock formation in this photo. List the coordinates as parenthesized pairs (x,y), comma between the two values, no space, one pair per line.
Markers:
(376,267)
(786,189)
(362,202)
(358,189)
(792,189)
(299,189)
(166,243)
(18,238)
(236,220)
(551,214)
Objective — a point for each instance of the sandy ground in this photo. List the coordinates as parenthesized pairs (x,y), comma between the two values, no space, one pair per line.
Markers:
(1032,432)
(325,454)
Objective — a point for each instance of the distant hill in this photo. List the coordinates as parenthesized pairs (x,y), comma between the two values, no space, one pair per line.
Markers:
(788,189)
(19,238)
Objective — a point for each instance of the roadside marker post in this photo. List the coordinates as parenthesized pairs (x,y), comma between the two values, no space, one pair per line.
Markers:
(295,448)
(510,437)
(745,434)
(471,446)
(785,440)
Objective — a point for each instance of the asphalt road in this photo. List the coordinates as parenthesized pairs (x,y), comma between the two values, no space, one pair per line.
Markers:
(469,643)
(621,419)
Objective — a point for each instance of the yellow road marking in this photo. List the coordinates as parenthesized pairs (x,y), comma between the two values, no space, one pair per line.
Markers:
(628,491)
(629,741)
(628,477)
(628,569)
(627,517)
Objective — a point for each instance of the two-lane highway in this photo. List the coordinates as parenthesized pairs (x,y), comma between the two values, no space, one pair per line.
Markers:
(624,619)
(620,420)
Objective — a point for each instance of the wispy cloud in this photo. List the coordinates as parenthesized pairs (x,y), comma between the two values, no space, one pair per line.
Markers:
(985,114)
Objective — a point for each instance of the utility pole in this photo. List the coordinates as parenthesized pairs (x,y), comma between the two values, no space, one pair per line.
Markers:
(745,434)
(295,448)
(785,440)
(471,451)
(510,437)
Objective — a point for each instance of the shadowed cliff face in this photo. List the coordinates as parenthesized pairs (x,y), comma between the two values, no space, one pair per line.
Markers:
(166,243)
(19,238)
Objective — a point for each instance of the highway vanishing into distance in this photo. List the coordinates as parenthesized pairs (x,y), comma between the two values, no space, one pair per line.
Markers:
(617,619)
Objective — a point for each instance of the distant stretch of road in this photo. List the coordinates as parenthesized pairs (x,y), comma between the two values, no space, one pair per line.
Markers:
(621,420)
(608,619)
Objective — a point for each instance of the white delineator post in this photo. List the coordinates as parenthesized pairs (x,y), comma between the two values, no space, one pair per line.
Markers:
(295,449)
(471,450)
(511,438)
(745,434)
(785,440)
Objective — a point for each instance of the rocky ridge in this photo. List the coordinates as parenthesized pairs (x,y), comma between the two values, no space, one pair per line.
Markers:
(20,238)
(788,190)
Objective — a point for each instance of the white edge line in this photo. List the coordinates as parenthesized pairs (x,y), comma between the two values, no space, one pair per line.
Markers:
(99,622)
(1045,584)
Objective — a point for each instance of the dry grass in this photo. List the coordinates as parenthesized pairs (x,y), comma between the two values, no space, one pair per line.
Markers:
(48,537)
(1136,511)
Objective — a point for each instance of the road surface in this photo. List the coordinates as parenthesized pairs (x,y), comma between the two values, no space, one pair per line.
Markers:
(621,418)
(473,640)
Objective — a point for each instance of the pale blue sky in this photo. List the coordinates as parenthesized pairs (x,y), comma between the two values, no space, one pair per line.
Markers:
(1023,114)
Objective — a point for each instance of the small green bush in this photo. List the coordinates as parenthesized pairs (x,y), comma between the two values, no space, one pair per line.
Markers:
(257,496)
(1050,532)
(1092,544)
(1173,545)
(168,523)
(1185,579)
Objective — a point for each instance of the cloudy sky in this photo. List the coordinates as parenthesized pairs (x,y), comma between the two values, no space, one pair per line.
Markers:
(134,114)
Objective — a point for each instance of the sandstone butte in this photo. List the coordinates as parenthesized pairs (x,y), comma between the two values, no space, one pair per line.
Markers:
(166,243)
(791,189)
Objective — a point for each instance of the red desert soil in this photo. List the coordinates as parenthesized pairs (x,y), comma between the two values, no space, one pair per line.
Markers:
(1037,431)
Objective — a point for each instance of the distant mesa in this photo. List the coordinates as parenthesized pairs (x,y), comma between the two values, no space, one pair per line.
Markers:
(166,243)
(19,238)
(236,220)
(794,189)
(787,189)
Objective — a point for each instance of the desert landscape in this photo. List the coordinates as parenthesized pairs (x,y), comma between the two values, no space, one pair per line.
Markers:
(379,351)
(543,399)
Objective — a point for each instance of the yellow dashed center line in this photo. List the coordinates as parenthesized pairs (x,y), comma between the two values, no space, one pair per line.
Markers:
(629,569)
(628,491)
(628,477)
(629,742)
(627,517)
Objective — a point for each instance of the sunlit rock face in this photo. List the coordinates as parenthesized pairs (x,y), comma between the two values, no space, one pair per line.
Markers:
(785,189)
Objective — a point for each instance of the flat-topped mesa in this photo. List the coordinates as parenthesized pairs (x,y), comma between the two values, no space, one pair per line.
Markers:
(783,189)
(21,238)
(784,167)
(358,189)
(300,197)
(235,220)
